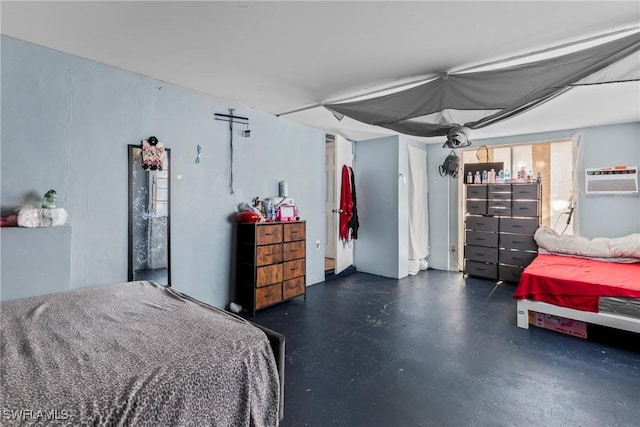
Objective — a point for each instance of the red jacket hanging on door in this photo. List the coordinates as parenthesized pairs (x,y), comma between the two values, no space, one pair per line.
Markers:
(346,203)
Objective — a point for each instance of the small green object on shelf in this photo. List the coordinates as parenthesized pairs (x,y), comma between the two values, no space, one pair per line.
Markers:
(49,199)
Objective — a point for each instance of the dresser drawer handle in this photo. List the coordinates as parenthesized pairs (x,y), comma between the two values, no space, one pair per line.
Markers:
(517,258)
(293,269)
(516,226)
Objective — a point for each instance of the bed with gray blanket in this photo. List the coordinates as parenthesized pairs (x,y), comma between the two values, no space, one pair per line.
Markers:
(133,354)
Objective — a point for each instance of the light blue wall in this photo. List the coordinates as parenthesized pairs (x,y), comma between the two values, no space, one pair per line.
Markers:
(376,175)
(601,216)
(382,170)
(66,124)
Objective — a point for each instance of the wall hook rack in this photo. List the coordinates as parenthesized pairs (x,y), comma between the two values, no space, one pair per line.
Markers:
(231,119)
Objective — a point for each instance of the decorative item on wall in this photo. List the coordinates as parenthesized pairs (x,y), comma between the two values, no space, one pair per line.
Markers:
(152,154)
(231,119)
(199,151)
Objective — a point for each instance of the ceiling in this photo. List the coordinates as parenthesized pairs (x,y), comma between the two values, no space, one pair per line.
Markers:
(280,57)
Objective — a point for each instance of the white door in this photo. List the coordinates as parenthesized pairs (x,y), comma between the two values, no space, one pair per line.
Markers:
(330,204)
(343,156)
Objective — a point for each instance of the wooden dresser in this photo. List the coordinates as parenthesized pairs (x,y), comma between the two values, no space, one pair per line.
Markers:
(271,263)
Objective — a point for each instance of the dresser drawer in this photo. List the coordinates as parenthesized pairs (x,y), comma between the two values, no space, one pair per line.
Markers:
(268,295)
(524,208)
(477,207)
(481,254)
(269,234)
(294,250)
(509,274)
(518,241)
(489,271)
(294,231)
(499,207)
(293,287)
(478,191)
(494,195)
(268,254)
(519,225)
(481,238)
(269,275)
(525,191)
(499,192)
(499,188)
(481,223)
(294,268)
(517,258)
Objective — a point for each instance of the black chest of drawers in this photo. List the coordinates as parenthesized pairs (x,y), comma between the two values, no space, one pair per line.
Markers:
(499,227)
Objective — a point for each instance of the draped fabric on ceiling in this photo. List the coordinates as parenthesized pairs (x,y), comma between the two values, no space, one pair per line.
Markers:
(478,99)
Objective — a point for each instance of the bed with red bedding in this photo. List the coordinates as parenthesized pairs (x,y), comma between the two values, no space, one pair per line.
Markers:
(572,287)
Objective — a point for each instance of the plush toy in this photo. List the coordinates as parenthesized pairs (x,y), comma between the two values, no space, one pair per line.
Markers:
(49,199)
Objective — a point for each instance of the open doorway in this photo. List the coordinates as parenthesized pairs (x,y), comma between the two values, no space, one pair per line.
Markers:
(338,254)
(330,205)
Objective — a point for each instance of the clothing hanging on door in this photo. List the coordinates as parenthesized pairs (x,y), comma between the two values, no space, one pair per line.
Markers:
(354,224)
(346,203)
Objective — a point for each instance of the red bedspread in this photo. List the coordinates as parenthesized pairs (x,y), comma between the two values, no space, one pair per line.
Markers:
(577,282)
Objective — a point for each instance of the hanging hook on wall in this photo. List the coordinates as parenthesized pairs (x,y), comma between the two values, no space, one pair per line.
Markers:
(199,151)
(232,119)
(486,159)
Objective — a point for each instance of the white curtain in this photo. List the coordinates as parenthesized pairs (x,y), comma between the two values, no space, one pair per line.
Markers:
(418,210)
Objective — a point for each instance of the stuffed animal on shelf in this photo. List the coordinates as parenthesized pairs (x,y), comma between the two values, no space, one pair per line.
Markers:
(49,199)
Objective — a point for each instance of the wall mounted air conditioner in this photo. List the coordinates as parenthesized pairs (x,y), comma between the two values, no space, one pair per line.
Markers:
(613,180)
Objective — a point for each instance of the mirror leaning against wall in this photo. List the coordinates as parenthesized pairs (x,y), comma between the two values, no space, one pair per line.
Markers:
(149,211)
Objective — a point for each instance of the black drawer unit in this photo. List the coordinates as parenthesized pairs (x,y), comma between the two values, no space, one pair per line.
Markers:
(517,241)
(477,207)
(519,225)
(499,189)
(481,254)
(499,227)
(508,273)
(482,223)
(499,207)
(525,208)
(476,191)
(516,258)
(480,269)
(525,191)
(482,238)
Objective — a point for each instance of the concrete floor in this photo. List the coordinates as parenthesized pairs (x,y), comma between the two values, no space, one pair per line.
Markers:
(438,349)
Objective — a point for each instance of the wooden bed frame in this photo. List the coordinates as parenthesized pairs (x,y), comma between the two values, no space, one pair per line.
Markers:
(604,319)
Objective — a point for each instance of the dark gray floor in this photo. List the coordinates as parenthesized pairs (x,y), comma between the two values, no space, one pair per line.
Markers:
(438,349)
